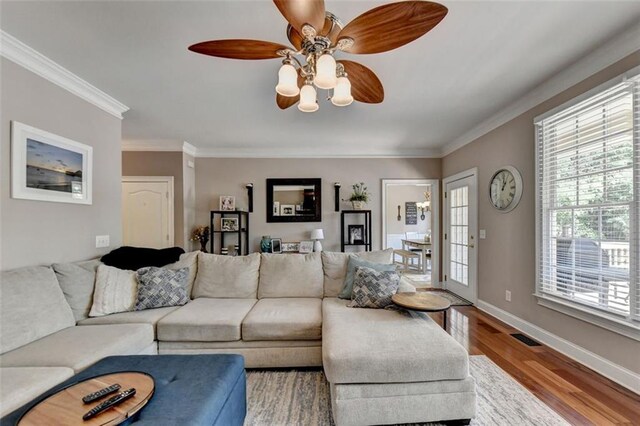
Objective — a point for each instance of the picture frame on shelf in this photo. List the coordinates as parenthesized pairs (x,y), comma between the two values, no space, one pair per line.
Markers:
(305,247)
(356,234)
(229,224)
(287,210)
(227,203)
(290,247)
(48,167)
(276,208)
(276,245)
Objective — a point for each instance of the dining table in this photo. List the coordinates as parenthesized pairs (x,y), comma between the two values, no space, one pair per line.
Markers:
(423,246)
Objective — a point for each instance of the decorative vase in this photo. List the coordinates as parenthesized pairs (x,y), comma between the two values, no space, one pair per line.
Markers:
(265,244)
(203,245)
(358,205)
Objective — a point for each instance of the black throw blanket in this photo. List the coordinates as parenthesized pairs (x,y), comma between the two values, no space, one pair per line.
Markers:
(134,258)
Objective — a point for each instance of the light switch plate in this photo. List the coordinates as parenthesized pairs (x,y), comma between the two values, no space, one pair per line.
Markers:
(102,241)
(483,234)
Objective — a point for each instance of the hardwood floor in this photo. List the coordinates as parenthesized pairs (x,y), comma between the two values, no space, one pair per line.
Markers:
(580,395)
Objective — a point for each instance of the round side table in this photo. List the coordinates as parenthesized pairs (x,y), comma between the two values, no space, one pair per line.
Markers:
(423,302)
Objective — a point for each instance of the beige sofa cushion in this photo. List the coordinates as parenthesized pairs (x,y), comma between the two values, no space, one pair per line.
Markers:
(77,281)
(290,275)
(334,265)
(205,320)
(19,385)
(148,316)
(234,277)
(284,319)
(32,306)
(386,346)
(80,347)
(115,291)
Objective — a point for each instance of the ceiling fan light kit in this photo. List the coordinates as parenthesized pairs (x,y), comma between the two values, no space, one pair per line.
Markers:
(317,35)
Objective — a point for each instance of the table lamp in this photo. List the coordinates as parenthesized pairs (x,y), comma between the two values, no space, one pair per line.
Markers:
(317,235)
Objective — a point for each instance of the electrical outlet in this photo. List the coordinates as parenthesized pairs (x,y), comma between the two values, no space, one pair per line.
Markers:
(102,241)
(483,234)
(507,295)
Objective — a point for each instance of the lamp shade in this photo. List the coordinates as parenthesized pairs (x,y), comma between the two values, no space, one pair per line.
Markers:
(287,81)
(342,93)
(325,72)
(308,101)
(317,234)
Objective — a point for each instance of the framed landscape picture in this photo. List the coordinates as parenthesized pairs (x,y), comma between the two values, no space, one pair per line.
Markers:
(48,167)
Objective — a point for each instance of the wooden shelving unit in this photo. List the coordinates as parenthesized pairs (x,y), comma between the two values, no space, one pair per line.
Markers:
(242,234)
(344,223)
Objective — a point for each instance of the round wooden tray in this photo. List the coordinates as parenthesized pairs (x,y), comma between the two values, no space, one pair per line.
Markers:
(66,407)
(419,301)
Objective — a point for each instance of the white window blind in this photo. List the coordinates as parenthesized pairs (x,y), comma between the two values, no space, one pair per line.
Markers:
(588,202)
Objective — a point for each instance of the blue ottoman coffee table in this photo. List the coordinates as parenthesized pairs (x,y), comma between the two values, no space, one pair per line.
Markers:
(189,389)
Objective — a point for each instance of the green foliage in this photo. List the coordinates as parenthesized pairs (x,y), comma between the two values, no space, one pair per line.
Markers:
(360,193)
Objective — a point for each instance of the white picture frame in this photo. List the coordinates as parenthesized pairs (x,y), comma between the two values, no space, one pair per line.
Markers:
(48,167)
(227,203)
(287,210)
(306,247)
(290,247)
(276,245)
(229,224)
(276,208)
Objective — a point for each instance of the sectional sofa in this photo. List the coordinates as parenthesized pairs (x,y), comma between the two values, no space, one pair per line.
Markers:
(384,366)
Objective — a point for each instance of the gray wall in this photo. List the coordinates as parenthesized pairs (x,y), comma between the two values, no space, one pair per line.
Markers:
(143,163)
(500,266)
(228,176)
(38,232)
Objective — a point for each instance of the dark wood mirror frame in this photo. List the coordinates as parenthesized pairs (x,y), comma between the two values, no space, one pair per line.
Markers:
(316,217)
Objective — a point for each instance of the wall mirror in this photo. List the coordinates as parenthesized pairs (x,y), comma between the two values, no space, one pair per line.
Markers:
(294,200)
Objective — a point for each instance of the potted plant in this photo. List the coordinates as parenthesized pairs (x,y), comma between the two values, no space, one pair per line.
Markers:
(201,234)
(359,196)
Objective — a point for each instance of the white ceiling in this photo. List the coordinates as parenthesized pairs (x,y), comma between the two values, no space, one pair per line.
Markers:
(481,58)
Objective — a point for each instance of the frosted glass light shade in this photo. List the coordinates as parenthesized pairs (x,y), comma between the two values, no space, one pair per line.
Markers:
(308,101)
(342,93)
(325,72)
(287,81)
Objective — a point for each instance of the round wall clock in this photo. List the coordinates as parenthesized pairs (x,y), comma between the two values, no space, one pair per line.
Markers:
(505,189)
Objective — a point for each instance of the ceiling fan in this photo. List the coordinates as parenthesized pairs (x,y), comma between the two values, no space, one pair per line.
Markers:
(316,35)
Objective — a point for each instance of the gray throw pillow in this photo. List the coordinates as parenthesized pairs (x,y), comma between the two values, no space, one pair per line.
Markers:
(374,289)
(354,263)
(160,287)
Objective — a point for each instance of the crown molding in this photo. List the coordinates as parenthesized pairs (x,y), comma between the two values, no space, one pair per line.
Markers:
(607,54)
(32,60)
(159,145)
(286,153)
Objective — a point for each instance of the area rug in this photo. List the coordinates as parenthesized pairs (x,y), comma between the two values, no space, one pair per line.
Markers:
(301,397)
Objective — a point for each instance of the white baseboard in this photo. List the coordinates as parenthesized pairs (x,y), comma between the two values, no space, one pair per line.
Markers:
(615,372)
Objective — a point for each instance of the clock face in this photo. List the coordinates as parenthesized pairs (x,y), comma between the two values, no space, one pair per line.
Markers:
(505,189)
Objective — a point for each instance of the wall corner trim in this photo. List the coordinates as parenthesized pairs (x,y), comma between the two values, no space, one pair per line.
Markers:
(605,55)
(189,149)
(615,372)
(32,60)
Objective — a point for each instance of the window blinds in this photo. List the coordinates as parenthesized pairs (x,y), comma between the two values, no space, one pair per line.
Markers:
(588,194)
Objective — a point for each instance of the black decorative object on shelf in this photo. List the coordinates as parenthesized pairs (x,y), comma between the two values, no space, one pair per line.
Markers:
(249,187)
(363,230)
(336,187)
(236,223)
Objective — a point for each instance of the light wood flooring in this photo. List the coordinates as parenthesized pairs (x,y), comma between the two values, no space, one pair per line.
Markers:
(580,395)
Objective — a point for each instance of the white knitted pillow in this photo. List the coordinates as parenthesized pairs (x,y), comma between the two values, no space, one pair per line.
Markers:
(116,291)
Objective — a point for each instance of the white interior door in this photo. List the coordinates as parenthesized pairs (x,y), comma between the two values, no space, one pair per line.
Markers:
(147,211)
(460,234)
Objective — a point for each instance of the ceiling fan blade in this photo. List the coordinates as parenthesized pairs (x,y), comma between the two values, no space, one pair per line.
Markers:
(239,49)
(365,85)
(330,30)
(285,102)
(300,12)
(294,37)
(392,25)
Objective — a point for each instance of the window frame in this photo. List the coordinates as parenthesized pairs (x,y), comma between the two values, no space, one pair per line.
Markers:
(627,326)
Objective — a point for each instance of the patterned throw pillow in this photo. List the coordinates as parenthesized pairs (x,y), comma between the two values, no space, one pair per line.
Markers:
(373,289)
(159,287)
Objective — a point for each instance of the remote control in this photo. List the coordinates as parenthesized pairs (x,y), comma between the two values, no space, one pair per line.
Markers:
(111,402)
(99,394)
